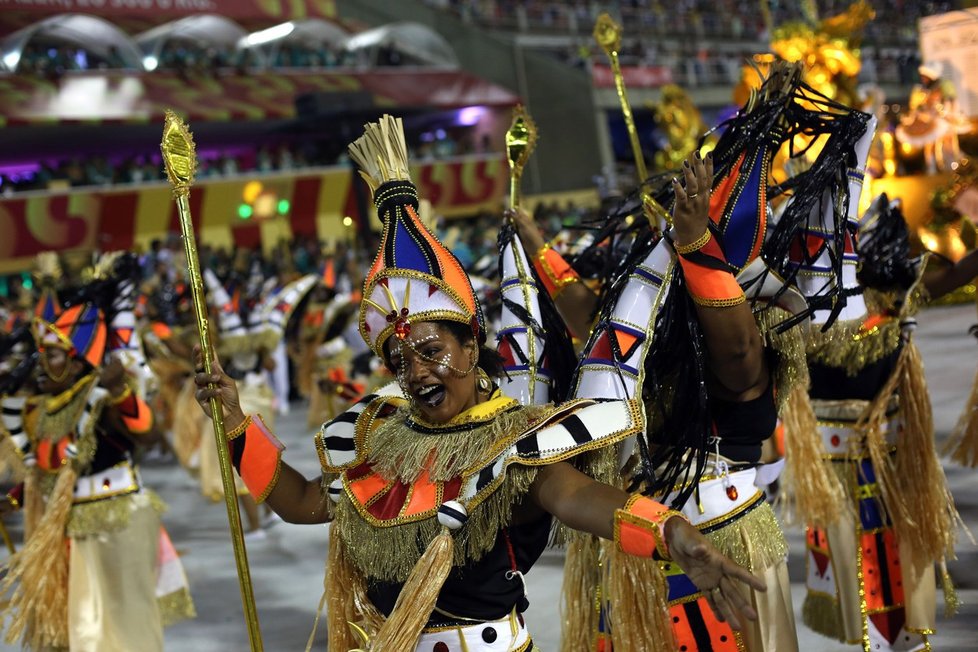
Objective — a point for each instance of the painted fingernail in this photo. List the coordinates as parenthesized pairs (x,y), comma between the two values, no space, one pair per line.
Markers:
(686,164)
(698,154)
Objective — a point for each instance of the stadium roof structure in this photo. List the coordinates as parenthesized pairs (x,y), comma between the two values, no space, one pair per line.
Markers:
(203,31)
(308,32)
(95,35)
(417,43)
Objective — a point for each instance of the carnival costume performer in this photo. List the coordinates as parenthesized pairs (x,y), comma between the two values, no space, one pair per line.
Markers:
(97,571)
(934,121)
(442,498)
(870,574)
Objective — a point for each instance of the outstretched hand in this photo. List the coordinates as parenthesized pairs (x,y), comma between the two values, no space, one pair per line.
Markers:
(712,573)
(217,385)
(692,211)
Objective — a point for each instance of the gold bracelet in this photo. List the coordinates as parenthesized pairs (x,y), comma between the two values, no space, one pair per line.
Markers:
(126,393)
(237,432)
(695,245)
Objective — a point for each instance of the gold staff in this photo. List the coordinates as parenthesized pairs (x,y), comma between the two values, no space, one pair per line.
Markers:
(6,538)
(180,159)
(521,139)
(608,35)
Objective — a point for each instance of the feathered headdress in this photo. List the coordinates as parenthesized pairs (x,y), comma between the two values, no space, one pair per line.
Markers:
(414,276)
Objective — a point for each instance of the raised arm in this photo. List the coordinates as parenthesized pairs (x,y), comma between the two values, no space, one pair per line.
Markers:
(257,453)
(950,278)
(575,301)
(583,504)
(734,346)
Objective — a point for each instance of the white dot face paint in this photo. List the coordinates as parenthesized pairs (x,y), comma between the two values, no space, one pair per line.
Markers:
(427,367)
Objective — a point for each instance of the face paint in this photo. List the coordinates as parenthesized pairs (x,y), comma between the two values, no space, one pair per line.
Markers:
(435,371)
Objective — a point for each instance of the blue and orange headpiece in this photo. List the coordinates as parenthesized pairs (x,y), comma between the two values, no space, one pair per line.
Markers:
(80,330)
(414,277)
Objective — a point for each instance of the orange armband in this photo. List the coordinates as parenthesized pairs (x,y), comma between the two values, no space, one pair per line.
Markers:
(257,456)
(638,527)
(709,278)
(555,272)
(134,412)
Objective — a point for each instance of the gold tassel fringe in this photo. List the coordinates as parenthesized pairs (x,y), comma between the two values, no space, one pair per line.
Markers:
(951,601)
(913,486)
(176,606)
(638,594)
(417,599)
(109,515)
(33,500)
(822,614)
(580,595)
(792,365)
(845,346)
(962,446)
(344,597)
(810,491)
(38,575)
(754,541)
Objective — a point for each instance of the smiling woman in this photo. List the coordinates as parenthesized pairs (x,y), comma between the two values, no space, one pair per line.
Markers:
(442,492)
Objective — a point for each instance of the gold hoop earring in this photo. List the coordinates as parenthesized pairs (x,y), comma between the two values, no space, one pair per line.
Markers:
(485,384)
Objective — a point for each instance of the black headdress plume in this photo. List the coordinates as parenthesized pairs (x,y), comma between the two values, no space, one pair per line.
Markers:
(884,248)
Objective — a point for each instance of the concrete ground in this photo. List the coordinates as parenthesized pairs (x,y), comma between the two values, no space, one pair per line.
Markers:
(287,567)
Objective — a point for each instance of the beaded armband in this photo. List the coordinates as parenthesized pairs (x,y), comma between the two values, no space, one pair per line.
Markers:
(555,272)
(638,527)
(257,456)
(709,278)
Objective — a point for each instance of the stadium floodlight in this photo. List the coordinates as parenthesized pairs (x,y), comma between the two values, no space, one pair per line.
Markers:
(11,59)
(271,34)
(150,62)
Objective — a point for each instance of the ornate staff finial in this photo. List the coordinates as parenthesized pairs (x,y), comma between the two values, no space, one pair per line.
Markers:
(521,139)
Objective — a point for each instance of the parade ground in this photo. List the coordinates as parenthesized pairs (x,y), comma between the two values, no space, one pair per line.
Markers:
(287,566)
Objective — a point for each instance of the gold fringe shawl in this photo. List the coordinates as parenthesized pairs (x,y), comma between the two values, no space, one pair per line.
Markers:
(962,446)
(372,555)
(912,483)
(37,575)
(810,490)
(792,364)
(398,451)
(638,593)
(108,515)
(33,500)
(845,346)
(10,459)
(580,594)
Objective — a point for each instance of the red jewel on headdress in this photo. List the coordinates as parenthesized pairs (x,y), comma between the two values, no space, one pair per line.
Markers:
(402,327)
(732,492)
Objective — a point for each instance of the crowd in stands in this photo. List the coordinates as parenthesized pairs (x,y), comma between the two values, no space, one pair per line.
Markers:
(896,20)
(97,170)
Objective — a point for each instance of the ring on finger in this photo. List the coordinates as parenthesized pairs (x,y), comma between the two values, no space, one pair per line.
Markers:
(693,196)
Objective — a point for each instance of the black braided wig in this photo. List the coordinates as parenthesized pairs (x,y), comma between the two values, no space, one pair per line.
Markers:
(884,251)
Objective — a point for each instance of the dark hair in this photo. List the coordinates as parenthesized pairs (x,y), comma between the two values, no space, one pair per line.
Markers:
(489,360)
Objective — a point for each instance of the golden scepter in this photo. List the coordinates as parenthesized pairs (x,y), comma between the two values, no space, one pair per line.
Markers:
(180,160)
(608,35)
(521,139)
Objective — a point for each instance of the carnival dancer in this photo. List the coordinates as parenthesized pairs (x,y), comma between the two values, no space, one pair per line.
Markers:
(934,120)
(442,498)
(870,575)
(97,571)
(676,328)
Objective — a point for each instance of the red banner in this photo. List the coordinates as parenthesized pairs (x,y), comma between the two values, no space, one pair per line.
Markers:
(272,10)
(634,76)
(134,97)
(278,205)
